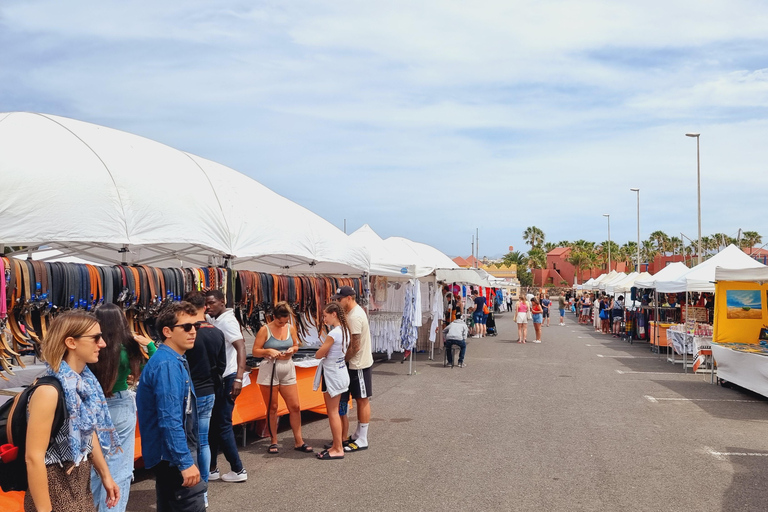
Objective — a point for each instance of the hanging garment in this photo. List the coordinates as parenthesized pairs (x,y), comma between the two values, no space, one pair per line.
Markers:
(408,329)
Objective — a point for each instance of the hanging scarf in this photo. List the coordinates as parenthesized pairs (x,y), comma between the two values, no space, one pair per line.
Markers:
(87,410)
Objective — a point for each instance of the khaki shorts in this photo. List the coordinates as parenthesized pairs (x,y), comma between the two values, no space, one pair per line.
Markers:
(285,372)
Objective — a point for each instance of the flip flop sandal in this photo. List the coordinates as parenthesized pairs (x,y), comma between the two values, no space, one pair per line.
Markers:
(324,455)
(304,448)
(353,447)
(345,442)
(273,449)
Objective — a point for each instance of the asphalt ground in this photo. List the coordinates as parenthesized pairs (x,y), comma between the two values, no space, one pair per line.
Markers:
(540,427)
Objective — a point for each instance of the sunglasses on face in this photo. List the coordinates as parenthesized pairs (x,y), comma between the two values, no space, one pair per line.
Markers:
(188,326)
(96,337)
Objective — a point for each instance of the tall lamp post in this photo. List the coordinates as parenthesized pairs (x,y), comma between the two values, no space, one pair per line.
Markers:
(698,187)
(638,227)
(609,240)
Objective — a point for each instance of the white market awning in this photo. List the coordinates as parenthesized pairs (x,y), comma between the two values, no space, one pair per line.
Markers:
(109,196)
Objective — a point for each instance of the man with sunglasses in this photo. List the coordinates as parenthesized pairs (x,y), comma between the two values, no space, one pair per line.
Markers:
(222,435)
(167,411)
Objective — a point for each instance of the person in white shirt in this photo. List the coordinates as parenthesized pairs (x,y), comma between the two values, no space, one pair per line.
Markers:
(221,435)
(359,359)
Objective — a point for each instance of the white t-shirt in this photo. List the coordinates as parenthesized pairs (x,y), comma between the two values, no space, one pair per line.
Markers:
(358,324)
(339,347)
(229,325)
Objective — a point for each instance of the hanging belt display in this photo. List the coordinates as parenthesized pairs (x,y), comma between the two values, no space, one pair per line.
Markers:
(35,291)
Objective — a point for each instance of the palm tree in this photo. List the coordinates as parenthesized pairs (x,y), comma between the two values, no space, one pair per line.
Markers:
(533,236)
(628,253)
(648,251)
(675,245)
(750,239)
(515,258)
(549,246)
(582,256)
(537,258)
(661,240)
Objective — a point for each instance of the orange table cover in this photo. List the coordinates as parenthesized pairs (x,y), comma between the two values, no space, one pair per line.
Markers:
(249,406)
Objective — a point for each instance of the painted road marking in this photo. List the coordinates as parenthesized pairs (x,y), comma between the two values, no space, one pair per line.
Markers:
(628,357)
(624,372)
(722,455)
(656,400)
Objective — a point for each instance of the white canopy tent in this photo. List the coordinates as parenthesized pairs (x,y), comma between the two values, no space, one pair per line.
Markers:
(426,259)
(748,275)
(610,281)
(670,272)
(111,197)
(701,277)
(618,286)
(384,260)
(599,279)
(627,284)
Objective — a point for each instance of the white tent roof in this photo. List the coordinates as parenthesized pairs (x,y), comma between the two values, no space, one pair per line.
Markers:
(599,279)
(425,258)
(476,276)
(670,272)
(626,285)
(587,284)
(610,281)
(88,190)
(618,286)
(757,274)
(701,277)
(385,261)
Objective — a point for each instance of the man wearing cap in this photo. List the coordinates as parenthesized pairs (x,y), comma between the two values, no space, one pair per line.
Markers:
(359,359)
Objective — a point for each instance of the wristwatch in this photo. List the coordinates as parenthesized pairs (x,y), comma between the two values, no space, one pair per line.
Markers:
(239,380)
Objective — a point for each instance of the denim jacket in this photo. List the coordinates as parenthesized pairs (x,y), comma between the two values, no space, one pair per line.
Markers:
(167,411)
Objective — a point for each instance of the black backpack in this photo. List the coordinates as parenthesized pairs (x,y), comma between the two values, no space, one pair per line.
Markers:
(13,434)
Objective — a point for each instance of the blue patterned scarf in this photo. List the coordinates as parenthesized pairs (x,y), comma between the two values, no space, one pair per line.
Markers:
(87,411)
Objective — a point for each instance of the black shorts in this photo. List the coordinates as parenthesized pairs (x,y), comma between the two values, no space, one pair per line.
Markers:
(546,313)
(359,384)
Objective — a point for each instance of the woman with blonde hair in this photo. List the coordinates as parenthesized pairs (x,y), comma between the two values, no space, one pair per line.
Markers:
(333,373)
(276,342)
(59,476)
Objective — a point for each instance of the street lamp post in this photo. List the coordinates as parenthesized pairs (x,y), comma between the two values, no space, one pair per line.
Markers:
(638,227)
(609,240)
(698,186)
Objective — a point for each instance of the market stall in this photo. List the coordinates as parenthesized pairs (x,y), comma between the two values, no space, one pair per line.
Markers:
(656,317)
(741,313)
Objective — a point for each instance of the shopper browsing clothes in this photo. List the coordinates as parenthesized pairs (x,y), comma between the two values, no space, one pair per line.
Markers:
(168,414)
(276,342)
(59,475)
(122,359)
(359,359)
(222,435)
(207,361)
(332,373)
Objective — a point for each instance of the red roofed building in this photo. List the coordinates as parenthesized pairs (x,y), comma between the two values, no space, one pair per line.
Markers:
(561,272)
(461,262)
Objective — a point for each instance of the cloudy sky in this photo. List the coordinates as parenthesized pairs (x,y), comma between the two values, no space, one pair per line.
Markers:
(428,119)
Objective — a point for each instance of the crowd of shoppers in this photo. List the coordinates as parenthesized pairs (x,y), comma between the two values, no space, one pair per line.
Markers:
(185,391)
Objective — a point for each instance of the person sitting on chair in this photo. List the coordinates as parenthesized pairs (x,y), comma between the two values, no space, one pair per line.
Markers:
(456,334)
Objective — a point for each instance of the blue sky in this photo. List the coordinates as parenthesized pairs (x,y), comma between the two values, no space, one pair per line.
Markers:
(428,119)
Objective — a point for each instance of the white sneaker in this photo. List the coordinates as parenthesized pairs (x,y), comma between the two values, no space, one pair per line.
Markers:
(214,475)
(537,341)
(242,476)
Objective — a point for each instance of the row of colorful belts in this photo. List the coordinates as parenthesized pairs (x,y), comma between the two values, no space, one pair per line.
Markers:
(35,291)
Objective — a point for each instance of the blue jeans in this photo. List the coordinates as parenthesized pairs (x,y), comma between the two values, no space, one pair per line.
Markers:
(224,436)
(122,410)
(449,353)
(204,412)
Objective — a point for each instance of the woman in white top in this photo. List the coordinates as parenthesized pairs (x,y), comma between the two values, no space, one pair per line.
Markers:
(335,377)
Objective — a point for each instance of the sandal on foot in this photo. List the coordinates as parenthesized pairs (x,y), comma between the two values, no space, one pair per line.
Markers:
(273,449)
(354,447)
(304,448)
(345,442)
(324,455)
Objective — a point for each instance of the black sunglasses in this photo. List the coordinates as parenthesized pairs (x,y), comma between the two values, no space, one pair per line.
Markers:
(96,337)
(188,327)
